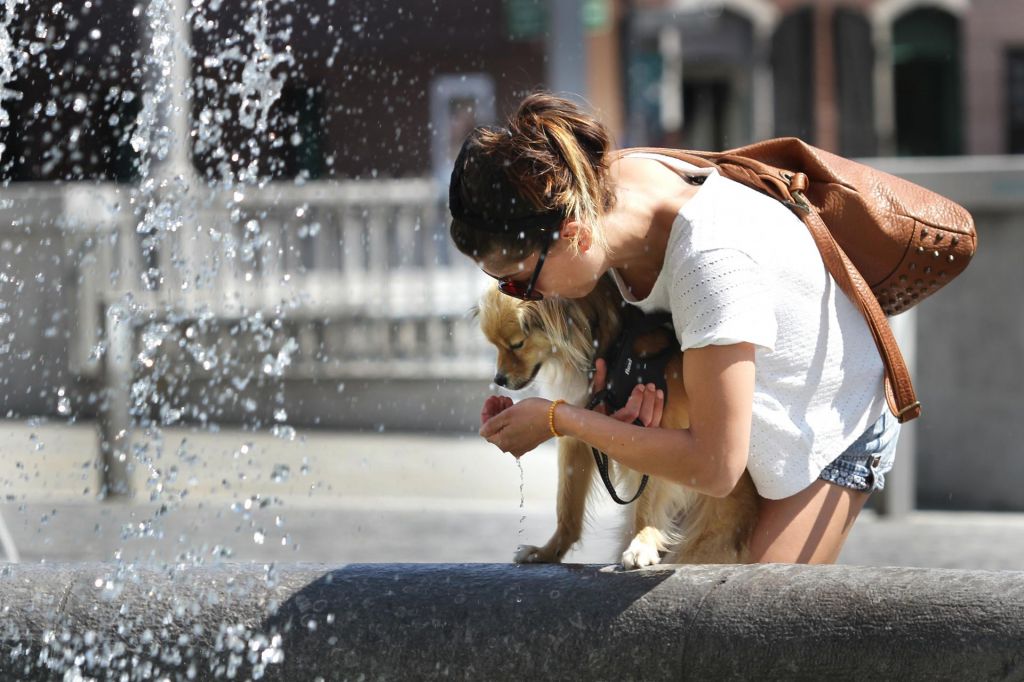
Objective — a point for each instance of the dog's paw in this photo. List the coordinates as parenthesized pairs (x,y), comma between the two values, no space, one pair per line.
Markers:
(528,554)
(640,554)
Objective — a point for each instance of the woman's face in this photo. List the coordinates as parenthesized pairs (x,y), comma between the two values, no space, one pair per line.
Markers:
(564,273)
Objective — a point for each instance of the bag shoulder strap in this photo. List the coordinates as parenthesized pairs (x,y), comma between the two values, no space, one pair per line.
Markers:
(899,389)
(788,187)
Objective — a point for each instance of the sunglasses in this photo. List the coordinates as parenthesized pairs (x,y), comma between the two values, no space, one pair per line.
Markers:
(515,289)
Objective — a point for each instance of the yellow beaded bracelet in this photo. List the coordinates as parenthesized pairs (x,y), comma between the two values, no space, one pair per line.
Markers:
(551,417)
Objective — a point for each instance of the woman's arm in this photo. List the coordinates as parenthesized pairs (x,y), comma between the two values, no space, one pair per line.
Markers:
(710,456)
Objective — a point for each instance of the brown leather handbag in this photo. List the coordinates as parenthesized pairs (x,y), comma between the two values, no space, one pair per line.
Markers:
(888,243)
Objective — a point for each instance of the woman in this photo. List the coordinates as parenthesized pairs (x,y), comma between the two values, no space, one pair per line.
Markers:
(782,374)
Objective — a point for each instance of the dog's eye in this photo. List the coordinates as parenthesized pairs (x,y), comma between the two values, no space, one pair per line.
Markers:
(516,346)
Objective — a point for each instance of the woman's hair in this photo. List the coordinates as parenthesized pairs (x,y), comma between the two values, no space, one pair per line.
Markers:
(512,187)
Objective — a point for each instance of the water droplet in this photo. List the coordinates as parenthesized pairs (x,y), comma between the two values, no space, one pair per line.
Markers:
(280,473)
(283,431)
(63,403)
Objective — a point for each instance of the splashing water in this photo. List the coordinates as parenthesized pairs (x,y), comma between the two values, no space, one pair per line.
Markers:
(180,242)
(11,59)
(174,226)
(259,87)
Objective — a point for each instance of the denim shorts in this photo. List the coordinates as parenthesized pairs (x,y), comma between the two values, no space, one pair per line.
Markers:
(864,464)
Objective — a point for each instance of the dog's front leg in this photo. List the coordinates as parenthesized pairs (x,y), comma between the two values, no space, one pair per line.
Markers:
(645,539)
(575,472)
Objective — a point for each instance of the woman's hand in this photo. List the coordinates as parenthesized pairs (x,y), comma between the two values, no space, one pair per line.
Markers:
(646,402)
(516,428)
(492,406)
(520,427)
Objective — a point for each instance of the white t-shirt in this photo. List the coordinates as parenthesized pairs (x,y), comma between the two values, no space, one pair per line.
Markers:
(740,266)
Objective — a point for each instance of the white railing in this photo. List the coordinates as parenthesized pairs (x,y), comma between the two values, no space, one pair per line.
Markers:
(361,274)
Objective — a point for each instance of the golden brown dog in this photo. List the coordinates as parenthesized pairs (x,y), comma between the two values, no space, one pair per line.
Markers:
(559,339)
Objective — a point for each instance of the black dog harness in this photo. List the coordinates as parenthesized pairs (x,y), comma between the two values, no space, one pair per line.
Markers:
(626,369)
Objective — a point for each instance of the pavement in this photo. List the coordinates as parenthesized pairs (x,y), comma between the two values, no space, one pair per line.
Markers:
(335,497)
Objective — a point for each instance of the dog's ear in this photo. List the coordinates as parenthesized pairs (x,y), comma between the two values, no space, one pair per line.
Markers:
(525,321)
(528,317)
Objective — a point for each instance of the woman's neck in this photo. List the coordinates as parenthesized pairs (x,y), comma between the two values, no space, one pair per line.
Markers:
(636,247)
(648,198)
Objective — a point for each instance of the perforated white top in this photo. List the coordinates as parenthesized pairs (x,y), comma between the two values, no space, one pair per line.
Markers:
(740,266)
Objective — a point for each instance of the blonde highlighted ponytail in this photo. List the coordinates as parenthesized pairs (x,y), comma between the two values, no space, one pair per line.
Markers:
(552,155)
(566,151)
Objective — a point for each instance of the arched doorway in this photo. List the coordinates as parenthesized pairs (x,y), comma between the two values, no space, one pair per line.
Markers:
(691,79)
(717,84)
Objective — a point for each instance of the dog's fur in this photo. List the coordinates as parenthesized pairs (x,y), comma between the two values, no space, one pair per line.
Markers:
(555,338)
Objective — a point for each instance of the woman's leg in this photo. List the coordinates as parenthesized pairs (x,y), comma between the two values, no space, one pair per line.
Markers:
(807,528)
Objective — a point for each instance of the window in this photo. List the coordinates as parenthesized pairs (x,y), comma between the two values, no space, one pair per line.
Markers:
(300,123)
(854,63)
(793,66)
(926,75)
(1015,101)
(458,103)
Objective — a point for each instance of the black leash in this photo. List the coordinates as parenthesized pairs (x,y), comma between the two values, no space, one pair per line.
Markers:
(602,459)
(626,371)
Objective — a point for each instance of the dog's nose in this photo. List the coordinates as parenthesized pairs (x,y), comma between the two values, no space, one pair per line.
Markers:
(500,379)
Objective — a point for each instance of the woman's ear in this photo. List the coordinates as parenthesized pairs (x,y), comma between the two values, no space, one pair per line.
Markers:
(574,229)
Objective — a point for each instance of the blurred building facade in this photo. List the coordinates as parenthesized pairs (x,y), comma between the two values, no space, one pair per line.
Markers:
(859,77)
(377,97)
(387,89)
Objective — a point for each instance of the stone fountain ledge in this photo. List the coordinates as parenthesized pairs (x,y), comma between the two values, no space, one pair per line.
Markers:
(505,622)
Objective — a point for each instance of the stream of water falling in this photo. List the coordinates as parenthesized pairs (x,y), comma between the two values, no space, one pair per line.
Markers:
(522,498)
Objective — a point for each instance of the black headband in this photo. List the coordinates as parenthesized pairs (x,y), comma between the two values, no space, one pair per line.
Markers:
(497,221)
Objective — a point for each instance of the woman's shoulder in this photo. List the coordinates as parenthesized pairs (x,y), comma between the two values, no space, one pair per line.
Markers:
(648,176)
(643,168)
(652,173)
(725,214)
